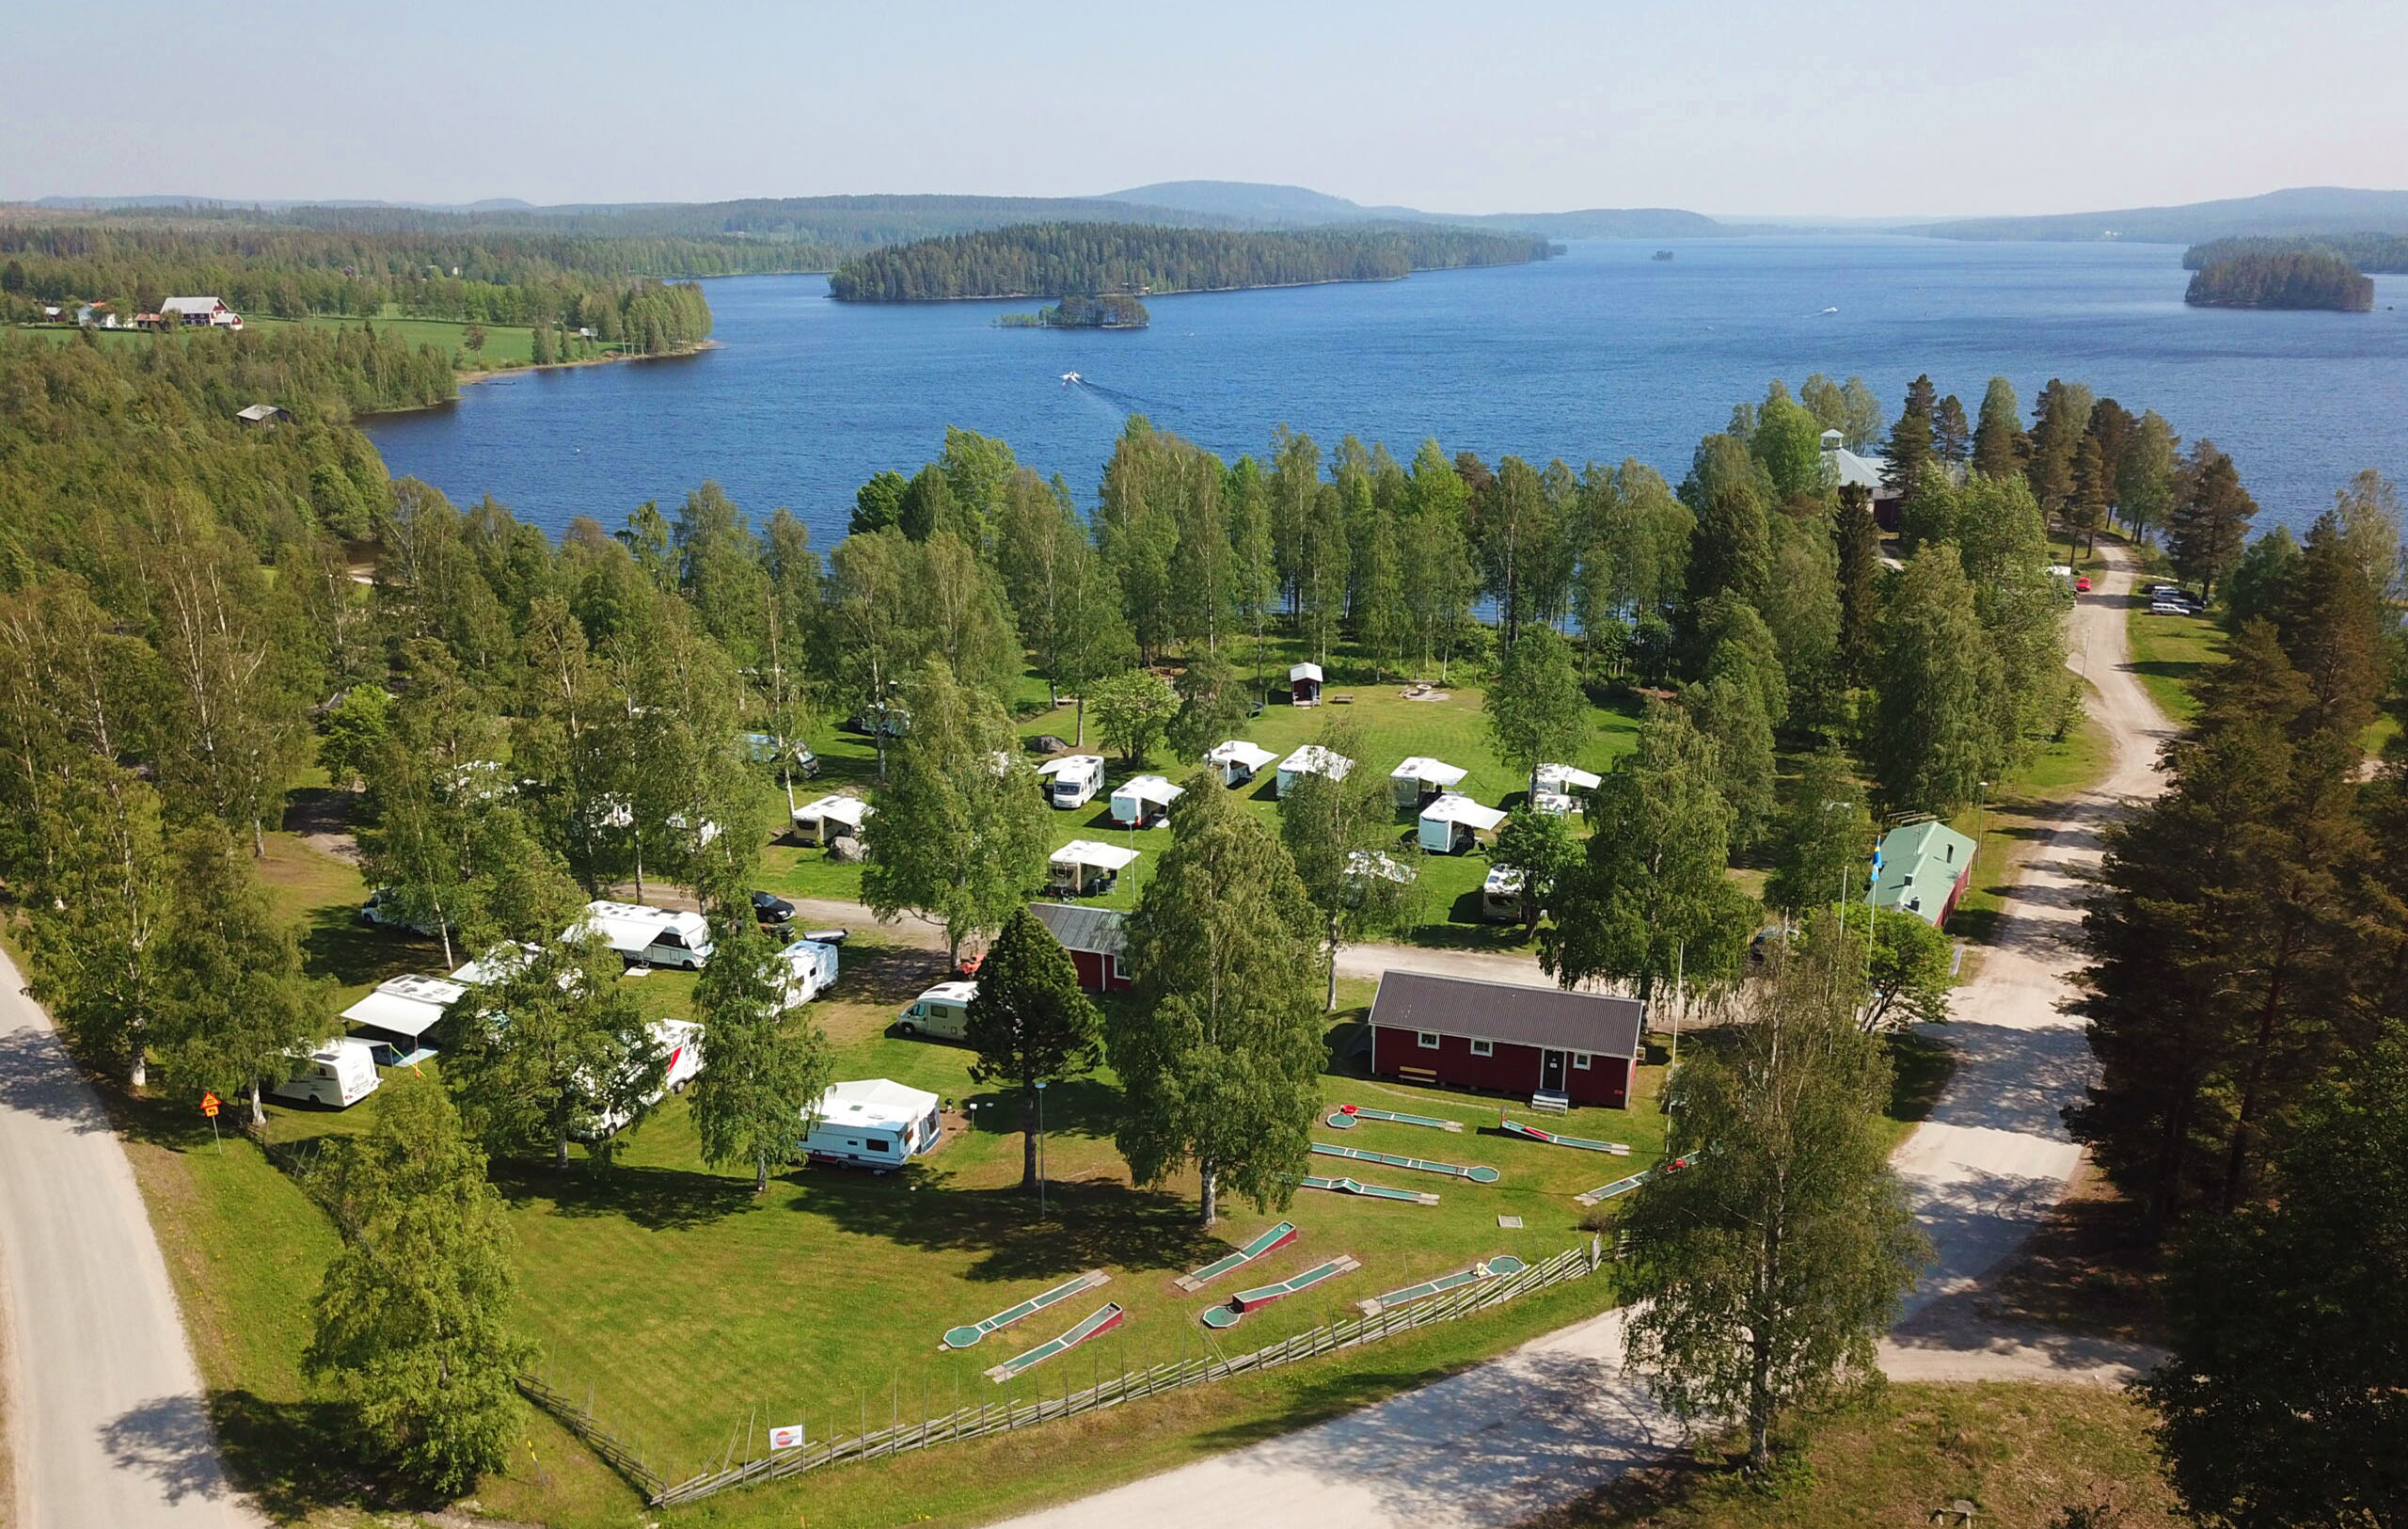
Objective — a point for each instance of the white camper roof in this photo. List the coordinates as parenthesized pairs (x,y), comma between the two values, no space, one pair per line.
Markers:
(1563,779)
(1502,879)
(1312,759)
(1436,772)
(849,810)
(876,1104)
(500,961)
(1086,851)
(1362,863)
(951,992)
(1154,789)
(1461,809)
(1074,763)
(1553,801)
(1304,671)
(1237,751)
(630,926)
(406,1005)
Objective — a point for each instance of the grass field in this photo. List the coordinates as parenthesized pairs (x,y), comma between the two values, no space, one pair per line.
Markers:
(2022,1455)
(1392,729)
(505,345)
(2169,653)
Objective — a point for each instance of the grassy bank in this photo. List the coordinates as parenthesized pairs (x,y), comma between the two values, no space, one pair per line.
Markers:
(2170,653)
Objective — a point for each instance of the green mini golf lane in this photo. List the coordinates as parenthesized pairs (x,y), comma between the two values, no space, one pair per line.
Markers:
(1503,1264)
(1228,1314)
(1277,1238)
(1103,1319)
(1374,1191)
(1344,1117)
(1531,1133)
(964,1337)
(1421,1165)
(1623,1186)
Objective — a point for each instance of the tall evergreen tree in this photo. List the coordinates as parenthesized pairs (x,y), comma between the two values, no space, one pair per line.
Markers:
(1726,491)
(1935,734)
(1029,1024)
(1859,571)
(233,1007)
(2210,519)
(1220,1056)
(1911,438)
(1998,435)
(768,1062)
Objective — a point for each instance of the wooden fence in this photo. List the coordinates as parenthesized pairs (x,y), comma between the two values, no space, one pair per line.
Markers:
(1000,1417)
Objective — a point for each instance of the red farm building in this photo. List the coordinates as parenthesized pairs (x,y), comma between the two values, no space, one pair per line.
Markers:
(1097,939)
(1460,1033)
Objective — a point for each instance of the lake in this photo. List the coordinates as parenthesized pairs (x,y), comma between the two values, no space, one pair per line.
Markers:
(1603,354)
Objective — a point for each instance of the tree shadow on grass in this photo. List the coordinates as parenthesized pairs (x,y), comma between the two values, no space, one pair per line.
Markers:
(1086,1225)
(655,1199)
(334,943)
(296,1457)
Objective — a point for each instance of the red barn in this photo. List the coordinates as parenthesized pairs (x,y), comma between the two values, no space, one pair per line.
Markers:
(1095,938)
(1460,1033)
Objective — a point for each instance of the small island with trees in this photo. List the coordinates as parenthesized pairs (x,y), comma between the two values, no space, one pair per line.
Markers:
(1112,311)
(2298,277)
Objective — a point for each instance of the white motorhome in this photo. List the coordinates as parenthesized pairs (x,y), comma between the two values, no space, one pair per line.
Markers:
(681,1043)
(649,936)
(1072,780)
(876,1122)
(394,1018)
(1452,824)
(810,969)
(1237,760)
(337,1075)
(1501,894)
(1144,800)
(942,1010)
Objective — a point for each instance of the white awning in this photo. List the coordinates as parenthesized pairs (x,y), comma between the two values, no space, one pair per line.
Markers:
(406,1005)
(849,810)
(1068,761)
(1149,788)
(1461,809)
(1436,772)
(1086,851)
(1562,778)
(1312,759)
(1237,751)
(1304,671)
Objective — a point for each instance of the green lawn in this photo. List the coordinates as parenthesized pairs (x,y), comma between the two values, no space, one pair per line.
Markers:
(2169,653)
(505,345)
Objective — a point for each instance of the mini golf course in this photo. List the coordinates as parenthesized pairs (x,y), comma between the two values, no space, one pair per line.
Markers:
(1103,1319)
(1277,1238)
(1480,1174)
(1623,1186)
(1369,1191)
(1531,1133)
(1344,1117)
(1502,1264)
(964,1337)
(1229,1313)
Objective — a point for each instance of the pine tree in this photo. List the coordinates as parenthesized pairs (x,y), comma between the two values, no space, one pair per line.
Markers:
(1030,1024)
(1952,435)
(767,1061)
(1935,733)
(1220,1055)
(412,1318)
(1997,437)
(1762,1273)
(1910,450)
(1859,559)
(2210,519)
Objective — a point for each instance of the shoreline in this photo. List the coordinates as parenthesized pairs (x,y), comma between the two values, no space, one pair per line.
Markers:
(1182,292)
(469,380)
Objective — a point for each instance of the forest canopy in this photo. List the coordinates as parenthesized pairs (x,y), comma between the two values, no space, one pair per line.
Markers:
(2297,278)
(2381,253)
(1061,259)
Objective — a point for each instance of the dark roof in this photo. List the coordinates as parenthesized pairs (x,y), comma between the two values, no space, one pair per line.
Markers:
(1597,1023)
(1100,929)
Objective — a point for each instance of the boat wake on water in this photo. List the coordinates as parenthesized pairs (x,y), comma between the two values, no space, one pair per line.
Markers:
(1110,394)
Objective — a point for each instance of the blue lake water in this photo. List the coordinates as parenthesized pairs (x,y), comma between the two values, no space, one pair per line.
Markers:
(1597,355)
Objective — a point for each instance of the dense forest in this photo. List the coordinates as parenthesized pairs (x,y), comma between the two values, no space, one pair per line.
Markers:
(1062,260)
(1115,310)
(2296,279)
(291,272)
(2380,253)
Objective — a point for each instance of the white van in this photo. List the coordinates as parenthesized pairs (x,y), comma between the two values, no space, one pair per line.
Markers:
(649,936)
(337,1075)
(810,969)
(876,1123)
(943,1010)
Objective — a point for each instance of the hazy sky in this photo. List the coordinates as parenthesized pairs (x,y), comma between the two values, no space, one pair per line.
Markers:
(1873,107)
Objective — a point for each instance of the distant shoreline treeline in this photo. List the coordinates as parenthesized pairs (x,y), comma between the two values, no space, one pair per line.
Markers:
(2383,253)
(1062,260)
(2311,279)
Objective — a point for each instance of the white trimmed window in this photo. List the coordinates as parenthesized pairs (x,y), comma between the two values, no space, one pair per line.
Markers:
(1429,1040)
(1483,1048)
(1579,1062)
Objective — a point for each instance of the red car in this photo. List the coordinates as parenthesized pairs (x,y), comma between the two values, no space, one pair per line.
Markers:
(2082,585)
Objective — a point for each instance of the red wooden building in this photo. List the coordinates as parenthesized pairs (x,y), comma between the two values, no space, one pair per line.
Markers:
(1097,939)
(1461,1033)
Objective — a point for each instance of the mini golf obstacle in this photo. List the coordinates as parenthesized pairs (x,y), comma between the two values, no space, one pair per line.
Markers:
(1531,1133)
(1502,1264)
(1277,1238)
(964,1337)
(1623,1186)
(1103,1319)
(1420,1165)
(1229,1313)
(1369,1191)
(1344,1117)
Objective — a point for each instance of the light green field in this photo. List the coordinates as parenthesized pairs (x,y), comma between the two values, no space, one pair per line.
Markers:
(2170,653)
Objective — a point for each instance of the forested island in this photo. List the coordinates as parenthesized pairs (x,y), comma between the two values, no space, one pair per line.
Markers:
(1113,311)
(2308,278)
(2383,254)
(1060,260)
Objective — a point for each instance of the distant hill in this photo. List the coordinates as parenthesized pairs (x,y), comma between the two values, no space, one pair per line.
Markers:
(2300,209)
(1296,206)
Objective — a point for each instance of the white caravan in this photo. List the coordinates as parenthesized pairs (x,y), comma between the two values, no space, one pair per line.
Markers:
(876,1122)
(681,1043)
(942,1010)
(339,1074)
(1237,760)
(810,969)
(648,937)
(394,1018)
(1072,780)
(1144,800)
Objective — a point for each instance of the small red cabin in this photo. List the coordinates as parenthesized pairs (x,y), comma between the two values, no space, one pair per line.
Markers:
(1097,939)
(1461,1033)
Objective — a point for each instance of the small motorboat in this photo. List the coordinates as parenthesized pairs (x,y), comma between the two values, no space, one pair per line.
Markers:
(1072,379)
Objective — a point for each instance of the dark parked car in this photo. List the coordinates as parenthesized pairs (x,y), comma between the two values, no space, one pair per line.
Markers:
(771,909)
